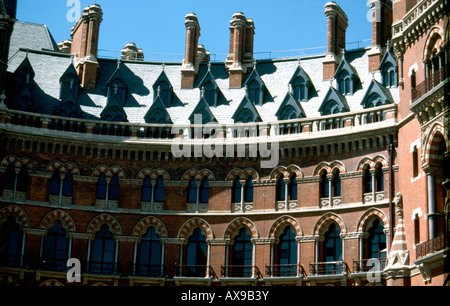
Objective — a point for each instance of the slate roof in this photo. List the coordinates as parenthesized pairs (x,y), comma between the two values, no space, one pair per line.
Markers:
(140,78)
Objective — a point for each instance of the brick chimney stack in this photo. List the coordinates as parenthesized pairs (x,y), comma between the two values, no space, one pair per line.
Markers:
(190,63)
(381,31)
(337,24)
(242,33)
(85,37)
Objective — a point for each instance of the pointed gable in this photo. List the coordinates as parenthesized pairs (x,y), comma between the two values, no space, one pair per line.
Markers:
(114,111)
(246,112)
(116,86)
(376,95)
(256,88)
(210,90)
(301,85)
(158,113)
(347,78)
(23,85)
(164,89)
(334,103)
(389,70)
(69,107)
(202,109)
(69,82)
(290,109)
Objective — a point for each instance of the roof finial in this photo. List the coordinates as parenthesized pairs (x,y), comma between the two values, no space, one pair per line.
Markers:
(163,66)
(209,66)
(373,73)
(202,92)
(331,82)
(158,91)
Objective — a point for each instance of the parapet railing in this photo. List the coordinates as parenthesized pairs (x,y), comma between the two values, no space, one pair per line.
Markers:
(413,15)
(163,133)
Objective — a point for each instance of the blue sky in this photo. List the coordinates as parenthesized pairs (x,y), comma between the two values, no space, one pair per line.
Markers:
(158,26)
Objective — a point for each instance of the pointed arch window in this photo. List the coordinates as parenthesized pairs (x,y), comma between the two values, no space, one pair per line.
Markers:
(286,264)
(293,188)
(281,189)
(101,187)
(376,242)
(209,94)
(196,255)
(192,191)
(10,178)
(204,191)
(55,183)
(344,83)
(165,93)
(10,243)
(248,190)
(324,185)
(150,252)
(336,184)
(367,176)
(242,255)
(331,108)
(68,185)
(102,254)
(22,179)
(379,177)
(254,92)
(332,247)
(300,89)
(114,188)
(55,248)
(147,190)
(237,190)
(159,190)
(389,74)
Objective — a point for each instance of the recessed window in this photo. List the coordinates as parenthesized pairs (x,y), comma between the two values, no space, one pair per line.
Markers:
(55,248)
(102,261)
(149,254)
(196,255)
(10,243)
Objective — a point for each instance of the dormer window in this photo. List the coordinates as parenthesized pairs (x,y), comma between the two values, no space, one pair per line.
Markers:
(374,101)
(344,83)
(300,89)
(331,108)
(389,75)
(70,82)
(257,92)
(164,93)
(254,92)
(209,93)
(334,103)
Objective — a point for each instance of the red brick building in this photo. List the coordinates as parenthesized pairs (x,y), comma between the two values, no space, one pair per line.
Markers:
(321,170)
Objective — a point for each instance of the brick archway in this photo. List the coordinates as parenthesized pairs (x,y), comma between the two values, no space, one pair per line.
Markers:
(368,216)
(142,227)
(433,42)
(281,223)
(198,175)
(17,212)
(95,225)
(18,162)
(286,172)
(153,174)
(325,220)
(65,218)
(109,171)
(431,153)
(189,226)
(63,168)
(238,223)
(242,174)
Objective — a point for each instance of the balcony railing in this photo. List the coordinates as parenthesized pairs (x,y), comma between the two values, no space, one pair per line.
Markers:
(195,271)
(162,133)
(328,268)
(366,265)
(147,270)
(237,271)
(431,247)
(285,271)
(431,82)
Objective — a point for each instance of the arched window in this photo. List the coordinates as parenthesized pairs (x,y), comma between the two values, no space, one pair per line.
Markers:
(10,178)
(287,253)
(204,191)
(192,192)
(389,75)
(242,255)
(164,93)
(336,184)
(367,178)
(344,82)
(196,255)
(210,94)
(376,242)
(324,185)
(248,190)
(55,248)
(237,191)
(300,92)
(101,187)
(149,254)
(159,190)
(293,188)
(379,177)
(114,188)
(254,92)
(10,243)
(332,245)
(281,189)
(147,190)
(68,185)
(55,183)
(22,179)
(331,108)
(102,256)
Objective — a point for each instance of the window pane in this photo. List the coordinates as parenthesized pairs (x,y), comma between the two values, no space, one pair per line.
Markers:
(10,177)
(281,186)
(114,188)
(147,190)
(192,192)
(101,187)
(237,191)
(68,185)
(204,191)
(22,179)
(159,190)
